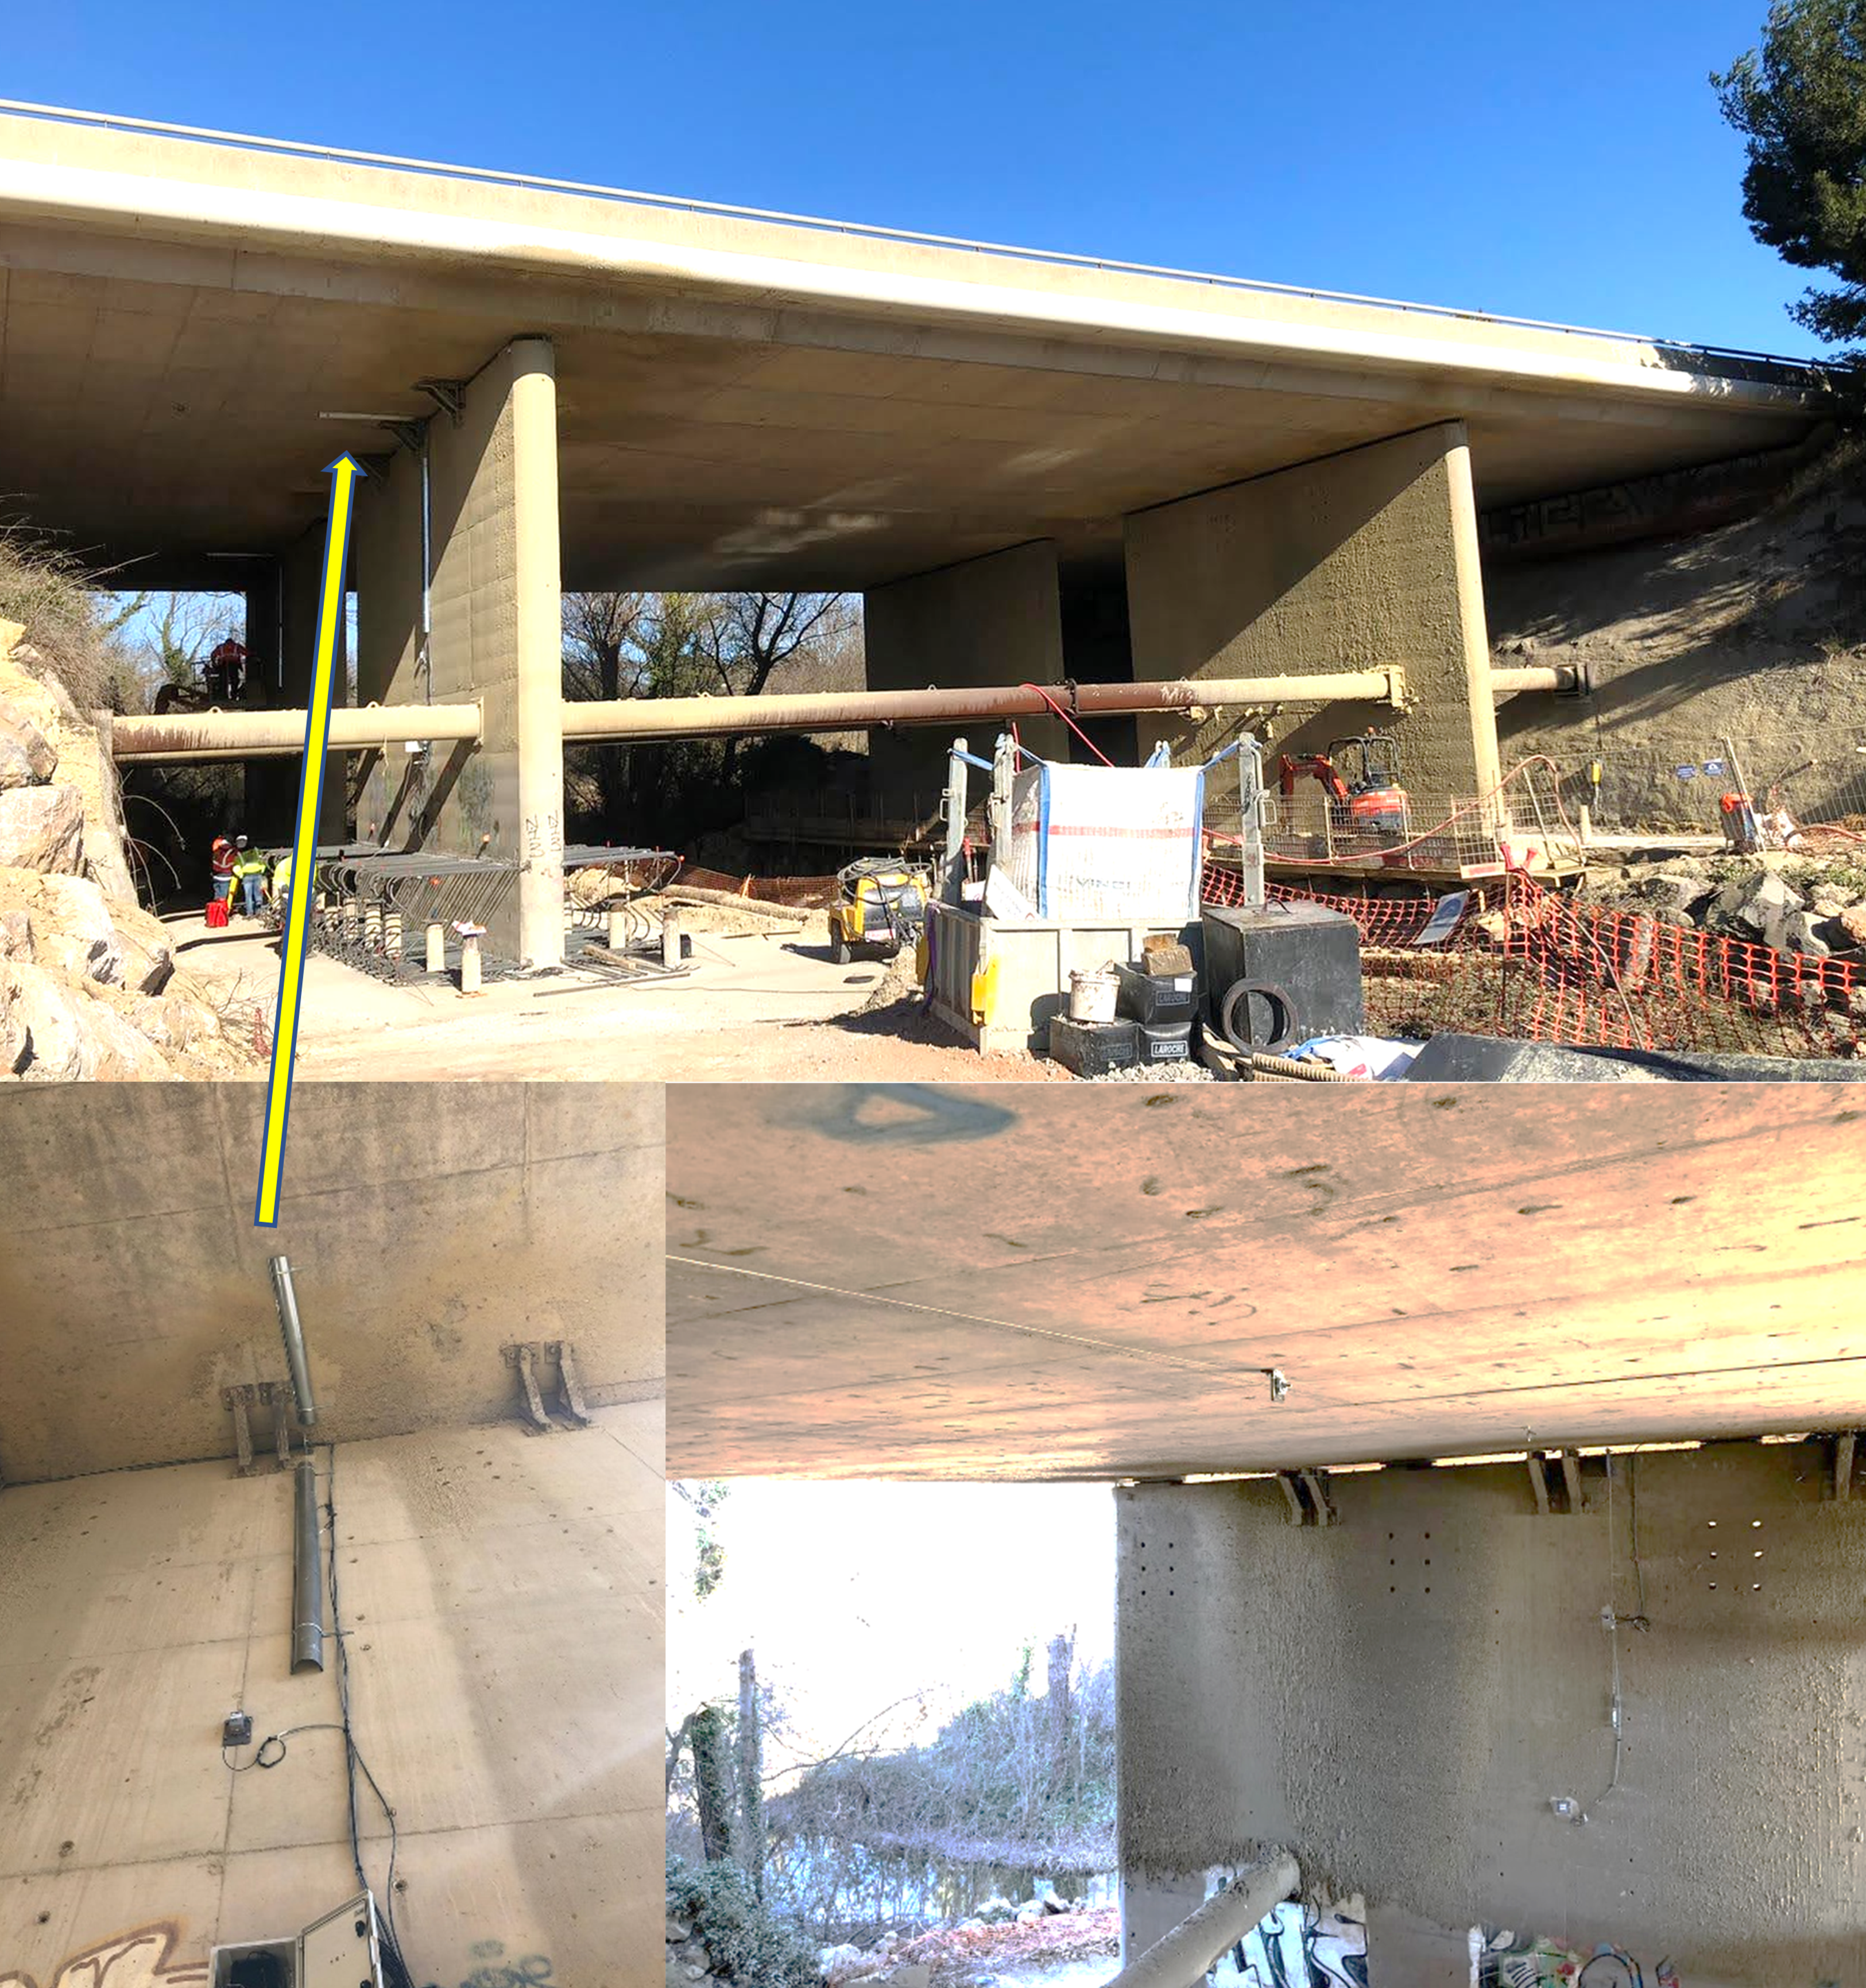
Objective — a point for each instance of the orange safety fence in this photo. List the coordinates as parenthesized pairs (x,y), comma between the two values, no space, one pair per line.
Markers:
(1527,962)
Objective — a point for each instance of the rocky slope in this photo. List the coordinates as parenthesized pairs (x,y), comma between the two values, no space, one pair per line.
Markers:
(1754,632)
(88,985)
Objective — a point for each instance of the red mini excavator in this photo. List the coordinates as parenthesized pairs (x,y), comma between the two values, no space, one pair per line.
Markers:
(1369,802)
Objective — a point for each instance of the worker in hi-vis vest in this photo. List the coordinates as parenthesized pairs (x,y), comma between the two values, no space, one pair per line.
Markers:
(248,876)
(222,857)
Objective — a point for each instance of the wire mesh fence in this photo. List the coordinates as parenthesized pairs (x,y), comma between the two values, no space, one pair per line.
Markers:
(1814,803)
(374,908)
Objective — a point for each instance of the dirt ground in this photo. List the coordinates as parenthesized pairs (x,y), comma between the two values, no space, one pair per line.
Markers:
(764,1007)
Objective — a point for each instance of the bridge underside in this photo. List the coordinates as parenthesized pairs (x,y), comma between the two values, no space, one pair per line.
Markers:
(1032,1283)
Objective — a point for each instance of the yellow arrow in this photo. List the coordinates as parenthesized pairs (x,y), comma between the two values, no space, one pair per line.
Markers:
(343,473)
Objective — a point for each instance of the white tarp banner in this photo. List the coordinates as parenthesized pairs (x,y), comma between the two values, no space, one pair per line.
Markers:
(1117,843)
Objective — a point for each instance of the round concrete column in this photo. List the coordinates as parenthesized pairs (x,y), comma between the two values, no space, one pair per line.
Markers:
(540,652)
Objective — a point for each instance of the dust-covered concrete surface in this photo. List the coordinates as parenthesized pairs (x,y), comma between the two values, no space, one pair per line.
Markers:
(502,1597)
(1398,1698)
(1033,1281)
(427,1231)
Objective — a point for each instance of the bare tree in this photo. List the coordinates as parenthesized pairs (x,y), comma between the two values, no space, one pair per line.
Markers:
(602,644)
(182,627)
(751,1775)
(749,636)
(1056,1710)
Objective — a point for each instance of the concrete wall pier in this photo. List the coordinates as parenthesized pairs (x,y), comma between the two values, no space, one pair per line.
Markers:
(1365,557)
(1420,1702)
(997,620)
(283,674)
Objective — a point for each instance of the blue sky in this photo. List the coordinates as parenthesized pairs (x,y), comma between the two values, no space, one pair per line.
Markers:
(1565,162)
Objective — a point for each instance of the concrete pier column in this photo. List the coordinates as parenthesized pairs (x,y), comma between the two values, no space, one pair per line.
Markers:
(1354,561)
(386,541)
(301,588)
(281,611)
(997,620)
(392,787)
(497,636)
(263,659)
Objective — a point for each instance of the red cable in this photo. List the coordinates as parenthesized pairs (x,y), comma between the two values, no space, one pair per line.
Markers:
(1067,720)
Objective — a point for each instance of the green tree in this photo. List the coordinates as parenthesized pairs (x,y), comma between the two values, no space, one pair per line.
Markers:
(705,1495)
(1801,101)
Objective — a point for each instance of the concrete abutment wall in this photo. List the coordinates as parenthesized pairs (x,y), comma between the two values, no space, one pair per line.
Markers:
(427,1228)
(1400,1697)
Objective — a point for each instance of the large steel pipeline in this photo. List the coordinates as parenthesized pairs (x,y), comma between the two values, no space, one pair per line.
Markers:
(270,735)
(259,734)
(1193,1945)
(1564,679)
(307,1576)
(670,718)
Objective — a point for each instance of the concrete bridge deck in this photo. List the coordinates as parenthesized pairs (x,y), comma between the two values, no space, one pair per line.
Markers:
(742,399)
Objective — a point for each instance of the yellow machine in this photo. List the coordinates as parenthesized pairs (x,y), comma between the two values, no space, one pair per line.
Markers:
(881,903)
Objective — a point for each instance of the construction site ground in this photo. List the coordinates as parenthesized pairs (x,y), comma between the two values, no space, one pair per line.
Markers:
(761,1006)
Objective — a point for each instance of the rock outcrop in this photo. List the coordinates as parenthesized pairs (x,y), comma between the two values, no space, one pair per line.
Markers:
(88,985)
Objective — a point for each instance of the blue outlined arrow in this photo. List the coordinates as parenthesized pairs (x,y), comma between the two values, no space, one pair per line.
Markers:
(343,473)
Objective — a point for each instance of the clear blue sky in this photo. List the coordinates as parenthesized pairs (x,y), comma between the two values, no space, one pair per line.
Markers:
(1564,161)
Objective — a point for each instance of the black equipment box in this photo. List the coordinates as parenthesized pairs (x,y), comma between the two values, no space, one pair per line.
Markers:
(1092,1048)
(1146,998)
(1166,1042)
(1308,955)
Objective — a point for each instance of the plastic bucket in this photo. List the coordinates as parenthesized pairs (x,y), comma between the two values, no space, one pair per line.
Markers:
(1091,995)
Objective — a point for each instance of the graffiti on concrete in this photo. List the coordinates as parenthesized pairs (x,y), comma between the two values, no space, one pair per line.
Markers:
(1673,501)
(1302,1946)
(497,1970)
(1504,1960)
(144,1958)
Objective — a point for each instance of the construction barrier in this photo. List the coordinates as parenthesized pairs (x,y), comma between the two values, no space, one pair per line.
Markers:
(1524,961)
